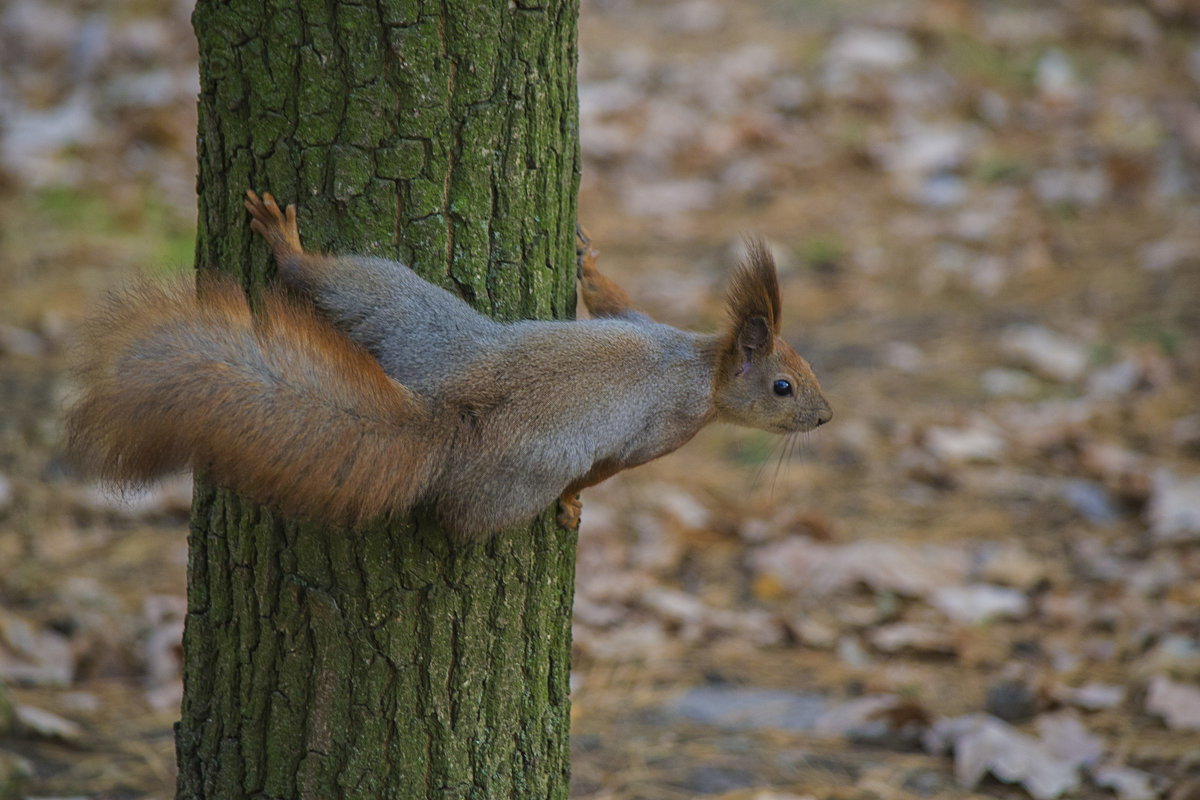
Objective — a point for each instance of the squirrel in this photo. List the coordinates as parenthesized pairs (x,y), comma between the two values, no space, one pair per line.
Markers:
(359,389)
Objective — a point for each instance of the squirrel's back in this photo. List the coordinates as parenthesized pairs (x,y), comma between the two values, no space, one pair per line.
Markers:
(427,331)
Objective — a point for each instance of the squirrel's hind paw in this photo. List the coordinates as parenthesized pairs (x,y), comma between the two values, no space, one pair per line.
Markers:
(569,509)
(277,227)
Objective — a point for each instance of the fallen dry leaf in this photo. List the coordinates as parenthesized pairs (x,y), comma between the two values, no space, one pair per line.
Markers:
(979,602)
(1065,735)
(808,567)
(29,655)
(917,637)
(983,744)
(1174,510)
(1128,783)
(43,724)
(1090,696)
(1177,703)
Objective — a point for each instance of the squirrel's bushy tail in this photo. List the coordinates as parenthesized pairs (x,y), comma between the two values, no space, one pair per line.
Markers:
(277,405)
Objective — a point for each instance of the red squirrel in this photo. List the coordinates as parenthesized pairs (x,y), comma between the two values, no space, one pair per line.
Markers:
(375,390)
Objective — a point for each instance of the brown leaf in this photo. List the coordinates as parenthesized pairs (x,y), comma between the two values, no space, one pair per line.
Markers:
(1177,703)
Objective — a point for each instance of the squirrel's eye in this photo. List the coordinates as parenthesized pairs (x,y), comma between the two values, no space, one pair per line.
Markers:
(783,388)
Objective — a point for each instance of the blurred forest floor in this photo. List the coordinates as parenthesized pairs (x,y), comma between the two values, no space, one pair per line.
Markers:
(981,579)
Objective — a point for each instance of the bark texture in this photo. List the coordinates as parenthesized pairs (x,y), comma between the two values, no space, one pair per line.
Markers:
(387,662)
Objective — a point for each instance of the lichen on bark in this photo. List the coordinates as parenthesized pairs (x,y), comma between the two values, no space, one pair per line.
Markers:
(384,662)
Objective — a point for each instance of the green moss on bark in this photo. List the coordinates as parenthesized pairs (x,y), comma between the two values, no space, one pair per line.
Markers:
(385,662)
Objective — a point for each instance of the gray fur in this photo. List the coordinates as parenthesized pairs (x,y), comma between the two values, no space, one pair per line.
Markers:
(416,330)
(488,374)
(633,413)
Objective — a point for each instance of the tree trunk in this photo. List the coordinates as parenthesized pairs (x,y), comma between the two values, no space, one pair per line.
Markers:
(387,662)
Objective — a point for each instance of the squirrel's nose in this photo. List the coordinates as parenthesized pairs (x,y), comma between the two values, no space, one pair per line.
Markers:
(824,415)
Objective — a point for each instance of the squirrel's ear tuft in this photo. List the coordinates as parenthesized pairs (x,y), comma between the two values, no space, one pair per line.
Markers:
(754,289)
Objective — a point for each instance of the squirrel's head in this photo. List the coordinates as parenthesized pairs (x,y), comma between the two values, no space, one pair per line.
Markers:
(761,381)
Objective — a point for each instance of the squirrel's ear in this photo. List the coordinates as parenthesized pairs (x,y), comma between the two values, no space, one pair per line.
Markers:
(754,337)
(753,305)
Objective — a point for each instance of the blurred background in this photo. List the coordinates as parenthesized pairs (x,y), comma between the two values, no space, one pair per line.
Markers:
(981,579)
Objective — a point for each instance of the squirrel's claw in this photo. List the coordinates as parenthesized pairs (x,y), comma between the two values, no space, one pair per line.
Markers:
(583,249)
(277,227)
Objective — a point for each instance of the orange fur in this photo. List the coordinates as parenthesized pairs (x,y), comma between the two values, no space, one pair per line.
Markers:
(602,296)
(282,407)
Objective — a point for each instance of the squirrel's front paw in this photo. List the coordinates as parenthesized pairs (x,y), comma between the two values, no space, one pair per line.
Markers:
(569,509)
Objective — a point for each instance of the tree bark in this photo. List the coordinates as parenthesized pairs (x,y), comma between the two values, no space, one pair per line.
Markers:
(386,662)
